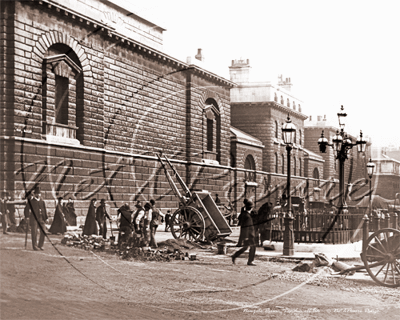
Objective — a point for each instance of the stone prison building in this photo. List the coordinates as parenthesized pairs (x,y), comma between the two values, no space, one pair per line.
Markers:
(88,98)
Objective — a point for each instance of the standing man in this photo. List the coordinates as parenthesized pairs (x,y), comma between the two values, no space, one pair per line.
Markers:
(37,219)
(4,212)
(168,220)
(71,215)
(125,224)
(101,214)
(217,200)
(247,234)
(157,218)
(11,210)
(145,222)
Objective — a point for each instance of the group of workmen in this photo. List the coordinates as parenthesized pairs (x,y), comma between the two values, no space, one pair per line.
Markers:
(143,222)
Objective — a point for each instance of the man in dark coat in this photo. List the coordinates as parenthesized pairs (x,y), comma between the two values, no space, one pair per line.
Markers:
(168,219)
(59,223)
(37,219)
(11,210)
(101,215)
(217,200)
(125,225)
(247,234)
(70,214)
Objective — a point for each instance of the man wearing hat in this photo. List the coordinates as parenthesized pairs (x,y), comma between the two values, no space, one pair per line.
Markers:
(38,216)
(101,214)
(247,234)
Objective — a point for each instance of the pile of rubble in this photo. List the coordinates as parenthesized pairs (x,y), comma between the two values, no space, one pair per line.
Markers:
(133,248)
(92,242)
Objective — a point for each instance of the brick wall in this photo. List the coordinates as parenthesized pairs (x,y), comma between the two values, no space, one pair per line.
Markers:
(258,120)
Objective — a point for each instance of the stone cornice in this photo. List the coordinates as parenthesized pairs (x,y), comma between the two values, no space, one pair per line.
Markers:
(130,43)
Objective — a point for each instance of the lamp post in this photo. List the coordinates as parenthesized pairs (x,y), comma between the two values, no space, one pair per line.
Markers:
(289,132)
(342,145)
(370,171)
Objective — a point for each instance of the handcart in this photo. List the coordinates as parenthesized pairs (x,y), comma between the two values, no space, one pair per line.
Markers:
(198,217)
(381,257)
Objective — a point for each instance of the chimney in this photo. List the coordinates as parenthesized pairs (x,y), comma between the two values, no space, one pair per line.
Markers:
(285,84)
(199,55)
(239,71)
(324,117)
(310,118)
(319,118)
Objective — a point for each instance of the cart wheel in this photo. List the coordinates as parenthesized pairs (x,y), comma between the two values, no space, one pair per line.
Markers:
(382,257)
(188,223)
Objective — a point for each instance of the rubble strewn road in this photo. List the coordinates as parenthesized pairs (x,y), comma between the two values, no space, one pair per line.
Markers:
(95,285)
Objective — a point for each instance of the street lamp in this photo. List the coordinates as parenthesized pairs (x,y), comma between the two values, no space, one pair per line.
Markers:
(370,171)
(289,133)
(342,145)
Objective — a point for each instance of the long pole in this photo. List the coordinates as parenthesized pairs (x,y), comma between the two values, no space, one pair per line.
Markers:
(288,239)
(370,198)
(289,149)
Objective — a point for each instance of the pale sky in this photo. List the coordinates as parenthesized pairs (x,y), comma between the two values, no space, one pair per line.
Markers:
(335,52)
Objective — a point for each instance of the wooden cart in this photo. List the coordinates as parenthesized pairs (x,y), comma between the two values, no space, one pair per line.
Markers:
(198,217)
(381,257)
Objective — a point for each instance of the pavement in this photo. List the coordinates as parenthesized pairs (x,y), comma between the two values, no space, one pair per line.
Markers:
(302,251)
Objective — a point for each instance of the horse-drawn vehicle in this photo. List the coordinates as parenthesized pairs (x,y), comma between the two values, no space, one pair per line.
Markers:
(198,217)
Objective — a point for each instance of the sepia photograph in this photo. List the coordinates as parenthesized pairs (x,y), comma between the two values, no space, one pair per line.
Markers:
(180,159)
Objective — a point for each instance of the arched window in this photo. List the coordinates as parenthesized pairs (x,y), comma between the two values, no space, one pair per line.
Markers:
(250,164)
(283,164)
(213,134)
(294,105)
(62,104)
(276,163)
(299,108)
(282,100)
(316,173)
(276,129)
(288,103)
(275,97)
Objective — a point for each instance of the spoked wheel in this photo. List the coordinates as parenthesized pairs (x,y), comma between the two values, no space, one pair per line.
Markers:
(382,257)
(188,223)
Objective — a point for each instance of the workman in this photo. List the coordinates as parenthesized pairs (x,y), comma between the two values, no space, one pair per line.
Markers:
(125,225)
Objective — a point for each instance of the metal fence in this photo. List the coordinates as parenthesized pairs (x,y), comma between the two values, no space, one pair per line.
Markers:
(316,226)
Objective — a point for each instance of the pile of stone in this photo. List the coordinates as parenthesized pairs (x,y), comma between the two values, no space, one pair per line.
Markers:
(92,242)
(132,248)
